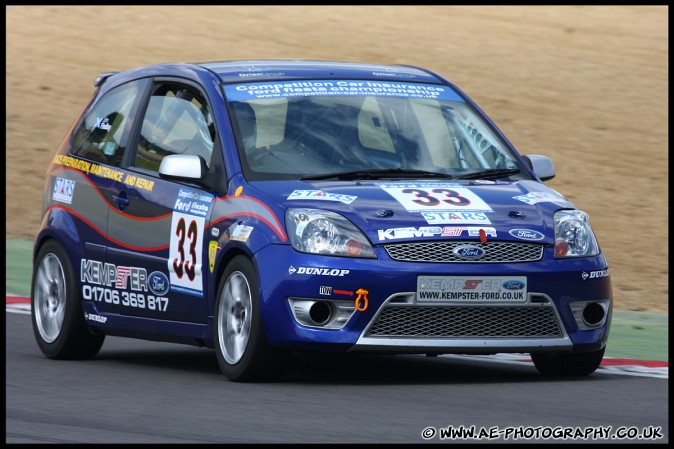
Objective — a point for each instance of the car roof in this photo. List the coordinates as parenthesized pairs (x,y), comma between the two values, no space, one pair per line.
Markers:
(261,70)
(269,69)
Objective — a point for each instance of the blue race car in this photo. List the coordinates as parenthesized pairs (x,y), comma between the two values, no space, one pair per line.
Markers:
(260,207)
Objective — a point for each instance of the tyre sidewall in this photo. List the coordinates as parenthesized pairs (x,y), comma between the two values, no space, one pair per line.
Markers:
(75,340)
(242,368)
(260,362)
(568,364)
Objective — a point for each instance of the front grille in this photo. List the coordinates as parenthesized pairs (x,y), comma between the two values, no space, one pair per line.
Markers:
(495,252)
(465,322)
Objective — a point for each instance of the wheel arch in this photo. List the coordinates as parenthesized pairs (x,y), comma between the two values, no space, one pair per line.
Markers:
(223,259)
(59,226)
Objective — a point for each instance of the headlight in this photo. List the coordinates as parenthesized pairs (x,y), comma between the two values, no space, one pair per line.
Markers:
(573,235)
(322,232)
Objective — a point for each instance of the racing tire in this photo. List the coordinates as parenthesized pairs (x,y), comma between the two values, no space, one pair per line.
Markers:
(56,308)
(568,364)
(240,344)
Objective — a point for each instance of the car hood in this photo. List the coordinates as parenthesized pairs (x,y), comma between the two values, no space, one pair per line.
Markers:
(411,210)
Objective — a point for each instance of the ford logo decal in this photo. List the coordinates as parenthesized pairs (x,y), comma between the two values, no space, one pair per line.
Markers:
(513,285)
(527,234)
(469,252)
(158,283)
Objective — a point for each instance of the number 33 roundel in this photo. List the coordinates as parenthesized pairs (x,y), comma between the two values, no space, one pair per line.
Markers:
(186,246)
(437,197)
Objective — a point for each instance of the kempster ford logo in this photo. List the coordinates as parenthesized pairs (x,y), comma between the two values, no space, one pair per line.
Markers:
(432,231)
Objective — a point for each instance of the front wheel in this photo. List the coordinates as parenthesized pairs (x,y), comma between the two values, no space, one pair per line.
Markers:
(240,345)
(56,309)
(568,364)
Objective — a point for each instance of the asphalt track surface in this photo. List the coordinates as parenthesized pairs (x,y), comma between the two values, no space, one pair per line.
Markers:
(138,391)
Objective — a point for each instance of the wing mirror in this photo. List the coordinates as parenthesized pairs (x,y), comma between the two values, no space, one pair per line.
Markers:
(542,166)
(183,166)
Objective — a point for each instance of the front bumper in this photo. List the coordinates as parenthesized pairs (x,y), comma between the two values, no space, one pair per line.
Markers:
(395,322)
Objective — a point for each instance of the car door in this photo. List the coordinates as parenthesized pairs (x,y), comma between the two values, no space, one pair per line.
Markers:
(159,239)
(85,182)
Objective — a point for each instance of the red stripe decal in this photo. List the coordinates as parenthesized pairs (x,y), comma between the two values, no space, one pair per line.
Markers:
(342,292)
(112,207)
(278,229)
(135,248)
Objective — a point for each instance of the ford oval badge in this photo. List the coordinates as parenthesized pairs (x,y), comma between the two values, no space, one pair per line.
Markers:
(513,284)
(158,283)
(468,252)
(526,234)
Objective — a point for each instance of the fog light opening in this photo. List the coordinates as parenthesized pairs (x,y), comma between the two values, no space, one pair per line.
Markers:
(320,312)
(593,314)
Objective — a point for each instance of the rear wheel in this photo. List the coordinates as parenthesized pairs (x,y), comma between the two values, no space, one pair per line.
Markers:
(240,345)
(56,310)
(568,364)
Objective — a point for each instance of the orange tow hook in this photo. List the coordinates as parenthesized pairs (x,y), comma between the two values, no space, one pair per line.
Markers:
(362,296)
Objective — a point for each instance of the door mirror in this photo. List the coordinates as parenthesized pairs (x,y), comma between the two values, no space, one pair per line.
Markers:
(183,166)
(541,165)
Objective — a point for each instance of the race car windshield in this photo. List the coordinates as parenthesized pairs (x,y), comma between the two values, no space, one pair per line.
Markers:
(317,129)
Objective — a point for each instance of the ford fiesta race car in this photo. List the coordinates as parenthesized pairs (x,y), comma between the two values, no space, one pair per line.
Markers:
(261,207)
